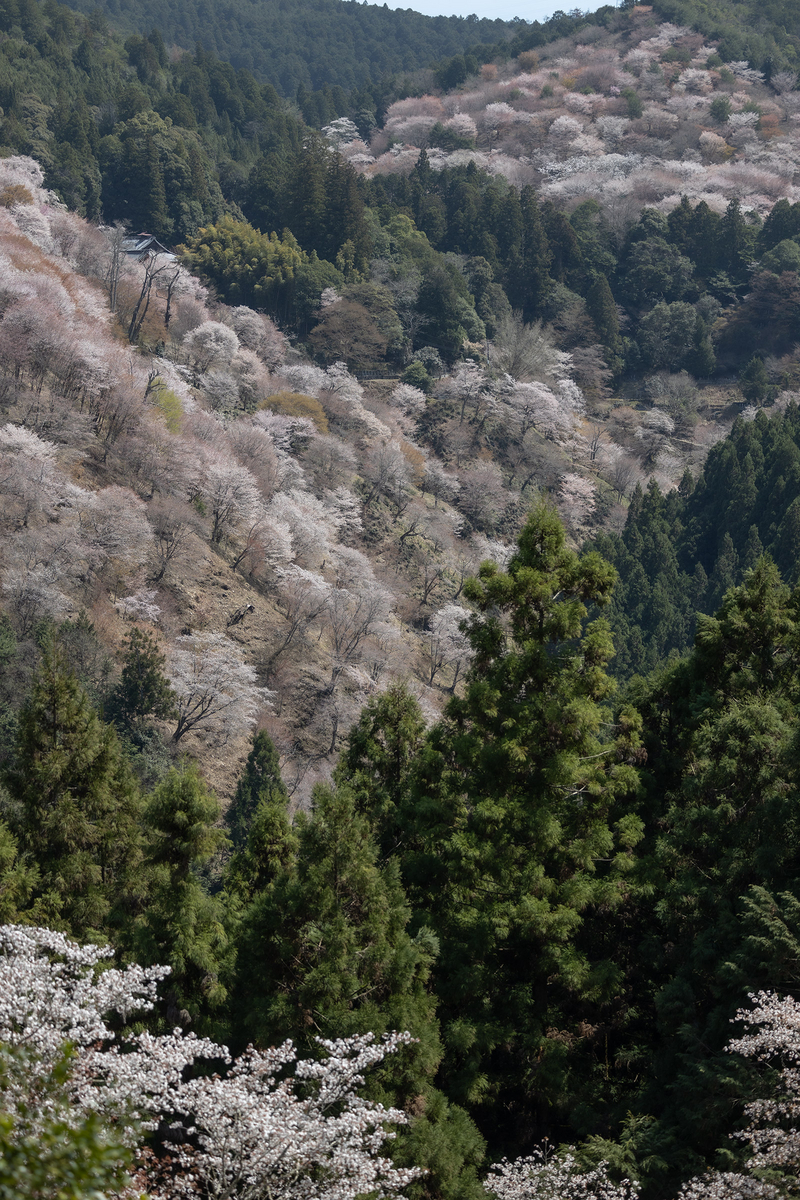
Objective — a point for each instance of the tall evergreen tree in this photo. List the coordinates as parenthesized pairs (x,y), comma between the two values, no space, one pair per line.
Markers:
(514,837)
(722,845)
(260,781)
(528,281)
(603,311)
(77,804)
(182,925)
(155,217)
(324,951)
(378,759)
(143,690)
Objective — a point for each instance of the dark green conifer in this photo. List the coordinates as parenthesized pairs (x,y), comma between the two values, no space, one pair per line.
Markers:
(754,381)
(324,951)
(76,800)
(182,925)
(260,781)
(155,216)
(701,360)
(378,760)
(509,819)
(143,690)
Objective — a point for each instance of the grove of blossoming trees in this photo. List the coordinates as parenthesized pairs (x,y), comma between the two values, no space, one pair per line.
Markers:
(268,1125)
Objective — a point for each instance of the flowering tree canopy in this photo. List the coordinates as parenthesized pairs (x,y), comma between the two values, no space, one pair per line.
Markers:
(245,1133)
(542,1177)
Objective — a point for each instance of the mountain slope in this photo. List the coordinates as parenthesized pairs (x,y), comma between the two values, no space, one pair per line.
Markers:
(313,43)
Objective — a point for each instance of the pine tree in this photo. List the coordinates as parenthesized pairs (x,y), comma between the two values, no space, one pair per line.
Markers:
(78,804)
(259,824)
(735,243)
(304,199)
(603,311)
(344,215)
(511,836)
(754,381)
(753,549)
(18,881)
(723,835)
(260,781)
(155,215)
(378,759)
(701,360)
(182,925)
(324,950)
(143,690)
(327,941)
(725,573)
(528,281)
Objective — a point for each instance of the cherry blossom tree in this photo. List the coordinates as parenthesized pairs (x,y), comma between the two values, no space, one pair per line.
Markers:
(32,593)
(772,1038)
(440,483)
(114,523)
(173,523)
(547,1176)
(30,480)
(210,344)
(577,497)
(266,1125)
(527,352)
(257,333)
(230,495)
(408,399)
(388,473)
(312,524)
(446,644)
(355,605)
(216,693)
(301,596)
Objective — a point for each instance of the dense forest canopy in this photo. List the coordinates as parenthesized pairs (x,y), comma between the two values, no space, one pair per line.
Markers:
(309,43)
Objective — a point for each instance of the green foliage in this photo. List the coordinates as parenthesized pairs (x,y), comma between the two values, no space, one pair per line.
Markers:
(721,825)
(417,376)
(680,553)
(328,941)
(18,880)
(57,1157)
(182,926)
(656,271)
(635,106)
(500,860)
(143,690)
(754,381)
(324,950)
(296,404)
(665,334)
(169,405)
(75,804)
(260,782)
(246,266)
(378,759)
(338,48)
(720,109)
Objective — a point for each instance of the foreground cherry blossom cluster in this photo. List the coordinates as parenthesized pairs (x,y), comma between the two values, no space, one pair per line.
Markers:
(543,1176)
(243,1132)
(772,1134)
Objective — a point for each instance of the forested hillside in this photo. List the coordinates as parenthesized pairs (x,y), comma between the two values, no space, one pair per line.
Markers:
(309,44)
(399,614)
(680,553)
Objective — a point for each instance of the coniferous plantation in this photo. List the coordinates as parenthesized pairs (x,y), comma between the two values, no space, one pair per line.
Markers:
(399,604)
